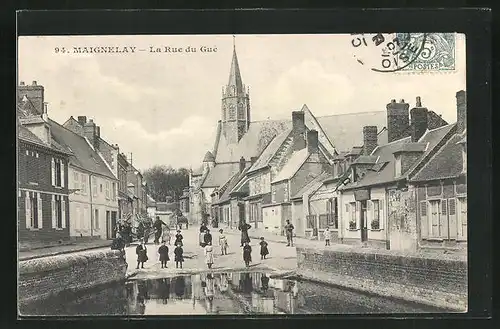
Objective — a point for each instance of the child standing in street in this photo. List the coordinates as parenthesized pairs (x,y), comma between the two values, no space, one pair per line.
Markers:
(209,255)
(247,254)
(327,235)
(142,254)
(222,243)
(263,248)
(163,251)
(179,258)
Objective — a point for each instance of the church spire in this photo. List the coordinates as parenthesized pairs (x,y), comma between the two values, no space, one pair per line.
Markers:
(234,73)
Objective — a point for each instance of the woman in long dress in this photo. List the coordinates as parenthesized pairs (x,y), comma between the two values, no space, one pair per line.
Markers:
(244,227)
(247,254)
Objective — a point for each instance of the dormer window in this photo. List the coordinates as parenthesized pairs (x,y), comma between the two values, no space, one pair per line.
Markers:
(397,166)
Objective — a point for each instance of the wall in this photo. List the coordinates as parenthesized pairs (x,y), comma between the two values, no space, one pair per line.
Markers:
(298,218)
(80,219)
(436,281)
(260,184)
(306,173)
(401,219)
(279,192)
(348,234)
(44,277)
(272,218)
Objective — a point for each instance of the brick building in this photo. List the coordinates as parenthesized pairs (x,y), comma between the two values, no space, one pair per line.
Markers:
(43,212)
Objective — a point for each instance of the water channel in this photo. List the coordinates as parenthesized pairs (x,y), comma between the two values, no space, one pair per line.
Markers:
(220,293)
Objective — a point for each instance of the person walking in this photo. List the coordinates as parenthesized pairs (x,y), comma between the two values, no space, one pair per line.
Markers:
(209,255)
(163,251)
(142,254)
(178,255)
(178,238)
(247,254)
(222,242)
(327,233)
(289,233)
(244,227)
(263,248)
(158,225)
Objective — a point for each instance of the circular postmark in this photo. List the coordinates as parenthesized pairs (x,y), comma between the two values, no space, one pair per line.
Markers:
(390,52)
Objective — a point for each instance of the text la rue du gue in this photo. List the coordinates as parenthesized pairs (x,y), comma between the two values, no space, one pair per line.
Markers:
(133,49)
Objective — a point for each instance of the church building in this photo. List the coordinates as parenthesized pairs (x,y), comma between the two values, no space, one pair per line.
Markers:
(256,153)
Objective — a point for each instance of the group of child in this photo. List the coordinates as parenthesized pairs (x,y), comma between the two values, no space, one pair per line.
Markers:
(142,254)
(163,250)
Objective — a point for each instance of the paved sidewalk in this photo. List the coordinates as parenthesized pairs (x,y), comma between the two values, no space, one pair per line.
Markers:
(64,249)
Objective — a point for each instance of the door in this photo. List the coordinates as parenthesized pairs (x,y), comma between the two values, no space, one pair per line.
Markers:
(108,225)
(363,222)
(113,224)
(434,220)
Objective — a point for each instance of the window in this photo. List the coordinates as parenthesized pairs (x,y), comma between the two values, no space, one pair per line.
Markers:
(58,212)
(100,188)
(76,181)
(33,208)
(255,212)
(113,191)
(332,212)
(375,225)
(94,186)
(57,172)
(107,190)
(462,218)
(464,158)
(352,219)
(311,221)
(397,164)
(32,168)
(84,184)
(96,219)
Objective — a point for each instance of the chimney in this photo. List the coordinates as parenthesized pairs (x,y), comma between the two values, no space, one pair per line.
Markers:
(419,123)
(461,111)
(89,131)
(253,159)
(312,142)
(34,93)
(370,139)
(34,83)
(298,130)
(397,120)
(82,120)
(242,164)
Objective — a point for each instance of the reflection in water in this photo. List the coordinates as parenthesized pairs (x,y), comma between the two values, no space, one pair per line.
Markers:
(219,293)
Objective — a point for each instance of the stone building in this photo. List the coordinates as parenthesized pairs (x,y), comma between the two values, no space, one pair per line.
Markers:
(270,144)
(43,211)
(377,202)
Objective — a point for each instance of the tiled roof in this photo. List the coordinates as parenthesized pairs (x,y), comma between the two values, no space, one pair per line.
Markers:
(219,174)
(312,185)
(232,183)
(253,142)
(446,163)
(346,130)
(270,150)
(83,156)
(383,171)
(293,165)
(27,135)
(209,157)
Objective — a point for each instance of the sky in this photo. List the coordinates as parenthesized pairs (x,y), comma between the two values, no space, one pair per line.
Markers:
(163,107)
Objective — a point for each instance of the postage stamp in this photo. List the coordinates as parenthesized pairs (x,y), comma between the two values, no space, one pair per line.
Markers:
(406,52)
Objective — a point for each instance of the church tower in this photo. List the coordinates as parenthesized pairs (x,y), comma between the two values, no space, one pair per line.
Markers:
(235,104)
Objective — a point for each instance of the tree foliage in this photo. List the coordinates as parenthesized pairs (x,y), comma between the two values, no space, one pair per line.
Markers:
(164,181)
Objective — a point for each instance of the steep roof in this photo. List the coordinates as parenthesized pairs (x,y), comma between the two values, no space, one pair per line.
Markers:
(26,135)
(293,165)
(234,73)
(220,174)
(253,142)
(83,155)
(313,185)
(383,171)
(226,196)
(209,157)
(268,153)
(446,163)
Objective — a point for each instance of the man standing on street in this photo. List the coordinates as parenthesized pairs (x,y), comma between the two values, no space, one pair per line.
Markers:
(289,233)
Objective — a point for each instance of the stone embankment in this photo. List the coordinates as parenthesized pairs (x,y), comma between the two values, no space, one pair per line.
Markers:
(44,277)
(439,281)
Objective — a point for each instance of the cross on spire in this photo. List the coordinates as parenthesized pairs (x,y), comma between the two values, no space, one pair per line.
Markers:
(234,41)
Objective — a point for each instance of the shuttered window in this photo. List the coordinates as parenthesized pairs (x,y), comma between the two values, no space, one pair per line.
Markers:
(58,217)
(424,224)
